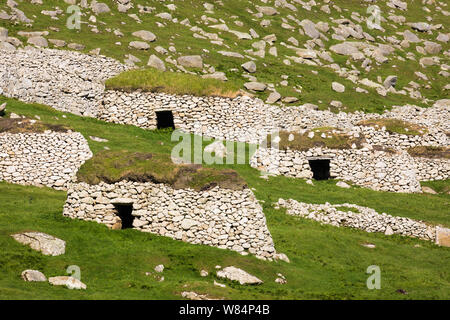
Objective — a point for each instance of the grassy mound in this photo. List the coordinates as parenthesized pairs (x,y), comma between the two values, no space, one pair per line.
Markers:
(395,126)
(115,166)
(430,152)
(300,141)
(28,125)
(153,80)
(440,186)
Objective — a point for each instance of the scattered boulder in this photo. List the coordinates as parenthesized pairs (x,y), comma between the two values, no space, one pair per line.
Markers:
(159,268)
(99,7)
(273,97)
(6,46)
(268,11)
(390,82)
(255,86)
(443,236)
(76,46)
(140,45)
(249,66)
(42,242)
(336,86)
(57,43)
(38,41)
(310,29)
(2,109)
(344,49)
(3,34)
(156,63)
(33,275)
(342,184)
(426,189)
(195,61)
(216,75)
(281,279)
(236,274)
(411,37)
(144,35)
(432,47)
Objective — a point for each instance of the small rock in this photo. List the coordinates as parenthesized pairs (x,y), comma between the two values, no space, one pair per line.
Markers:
(342,184)
(33,275)
(236,274)
(69,282)
(338,87)
(159,268)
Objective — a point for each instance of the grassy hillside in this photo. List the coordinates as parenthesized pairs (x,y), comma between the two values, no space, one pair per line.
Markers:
(326,262)
(308,83)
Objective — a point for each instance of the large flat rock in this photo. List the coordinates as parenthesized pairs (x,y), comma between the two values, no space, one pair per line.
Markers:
(46,244)
(236,274)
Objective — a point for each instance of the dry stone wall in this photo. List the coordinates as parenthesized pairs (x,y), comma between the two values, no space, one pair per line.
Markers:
(373,169)
(250,120)
(364,218)
(218,217)
(432,169)
(239,119)
(65,80)
(42,159)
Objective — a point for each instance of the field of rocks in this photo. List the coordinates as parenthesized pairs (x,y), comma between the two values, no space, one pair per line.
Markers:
(338,112)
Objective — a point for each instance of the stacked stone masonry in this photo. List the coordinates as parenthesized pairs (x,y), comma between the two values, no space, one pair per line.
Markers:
(73,82)
(378,170)
(65,80)
(218,217)
(43,159)
(364,218)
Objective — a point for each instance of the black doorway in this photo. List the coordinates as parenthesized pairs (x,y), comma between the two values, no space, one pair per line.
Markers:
(124,213)
(320,169)
(164,119)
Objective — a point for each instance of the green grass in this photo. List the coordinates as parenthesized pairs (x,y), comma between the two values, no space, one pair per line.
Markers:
(153,80)
(326,262)
(395,126)
(440,186)
(115,166)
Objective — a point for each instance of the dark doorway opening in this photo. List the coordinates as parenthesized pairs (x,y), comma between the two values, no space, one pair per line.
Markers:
(320,168)
(124,212)
(164,119)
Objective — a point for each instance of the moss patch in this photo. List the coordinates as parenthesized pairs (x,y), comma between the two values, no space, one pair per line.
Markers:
(395,126)
(325,137)
(28,125)
(115,166)
(430,152)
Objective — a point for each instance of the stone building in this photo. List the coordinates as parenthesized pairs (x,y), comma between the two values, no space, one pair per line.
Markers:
(218,217)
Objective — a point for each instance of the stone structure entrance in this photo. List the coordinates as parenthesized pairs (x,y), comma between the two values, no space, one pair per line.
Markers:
(164,119)
(124,212)
(320,168)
